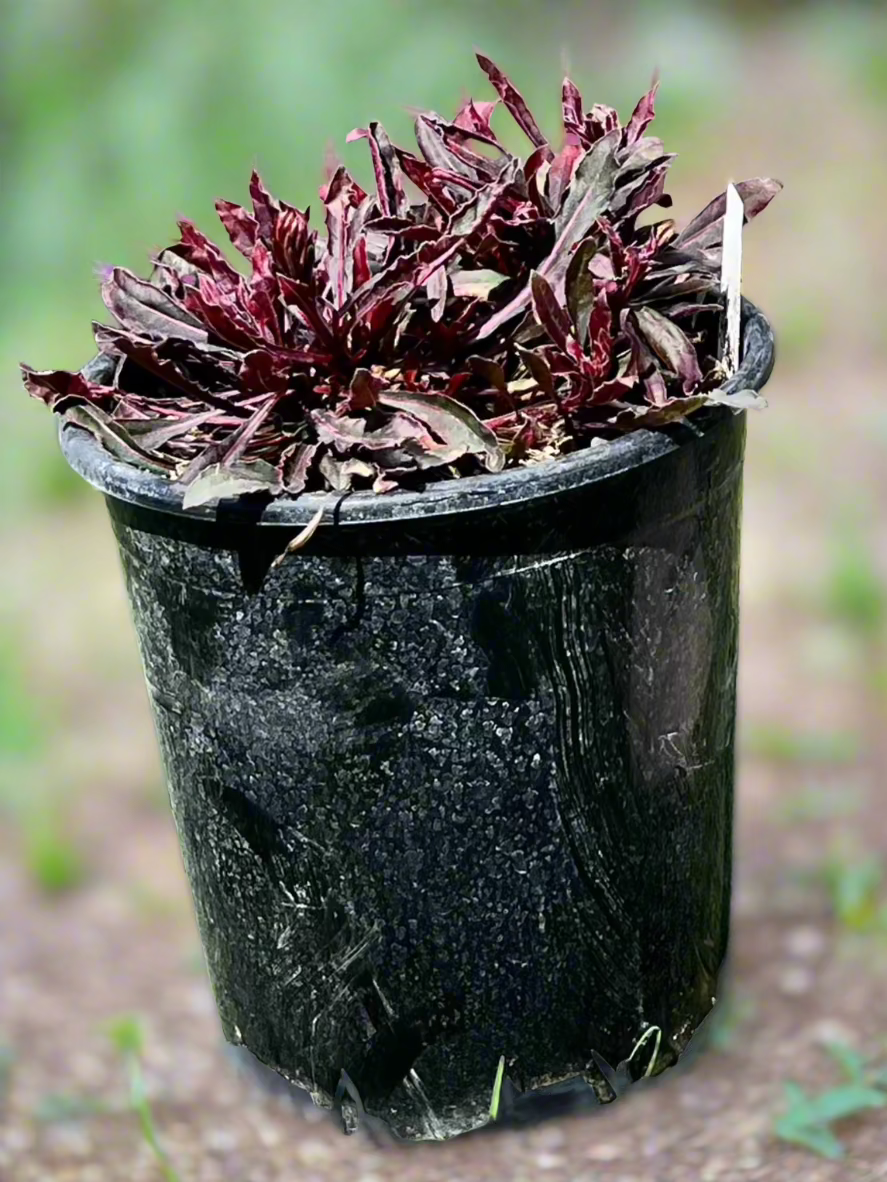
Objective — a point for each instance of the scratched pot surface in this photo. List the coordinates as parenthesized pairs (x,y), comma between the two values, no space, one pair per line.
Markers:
(438,809)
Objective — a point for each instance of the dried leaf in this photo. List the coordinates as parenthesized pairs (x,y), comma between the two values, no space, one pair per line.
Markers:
(740,400)
(224,482)
(294,466)
(114,438)
(339,474)
(476,285)
(302,538)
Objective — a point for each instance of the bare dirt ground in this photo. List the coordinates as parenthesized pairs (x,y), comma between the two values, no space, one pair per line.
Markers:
(126,941)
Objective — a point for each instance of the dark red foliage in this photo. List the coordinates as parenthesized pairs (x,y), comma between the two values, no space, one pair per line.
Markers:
(475,310)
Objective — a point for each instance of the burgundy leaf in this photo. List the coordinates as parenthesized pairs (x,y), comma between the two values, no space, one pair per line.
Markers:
(571,105)
(589,196)
(454,424)
(197,370)
(343,195)
(195,248)
(561,172)
(671,345)
(551,316)
(262,296)
(475,117)
(293,244)
(60,389)
(143,307)
(470,217)
(227,452)
(644,362)
(705,231)
(460,143)
(601,336)
(599,122)
(536,172)
(265,208)
(301,297)
(228,319)
(151,434)
(241,226)
(514,101)
(642,116)
(173,273)
(345,433)
(662,414)
(389,183)
(429,180)
(434,149)
(579,287)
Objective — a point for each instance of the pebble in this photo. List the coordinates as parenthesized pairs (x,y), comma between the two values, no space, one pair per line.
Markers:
(550,1138)
(796,980)
(713,1170)
(312,1152)
(606,1151)
(806,942)
(549,1161)
(829,1030)
(219,1140)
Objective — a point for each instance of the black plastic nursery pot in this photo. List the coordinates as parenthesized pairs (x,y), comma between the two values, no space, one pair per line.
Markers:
(454,784)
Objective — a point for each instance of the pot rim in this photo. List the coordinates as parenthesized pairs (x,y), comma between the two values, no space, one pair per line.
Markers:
(443,498)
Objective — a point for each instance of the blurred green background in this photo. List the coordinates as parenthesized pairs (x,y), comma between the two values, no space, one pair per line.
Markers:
(118,115)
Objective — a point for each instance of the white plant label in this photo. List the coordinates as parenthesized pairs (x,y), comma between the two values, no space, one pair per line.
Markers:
(731,279)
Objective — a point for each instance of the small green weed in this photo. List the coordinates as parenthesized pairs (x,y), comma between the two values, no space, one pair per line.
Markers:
(127,1037)
(53,859)
(21,727)
(855,592)
(497,1089)
(854,883)
(7,1062)
(784,745)
(808,1120)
